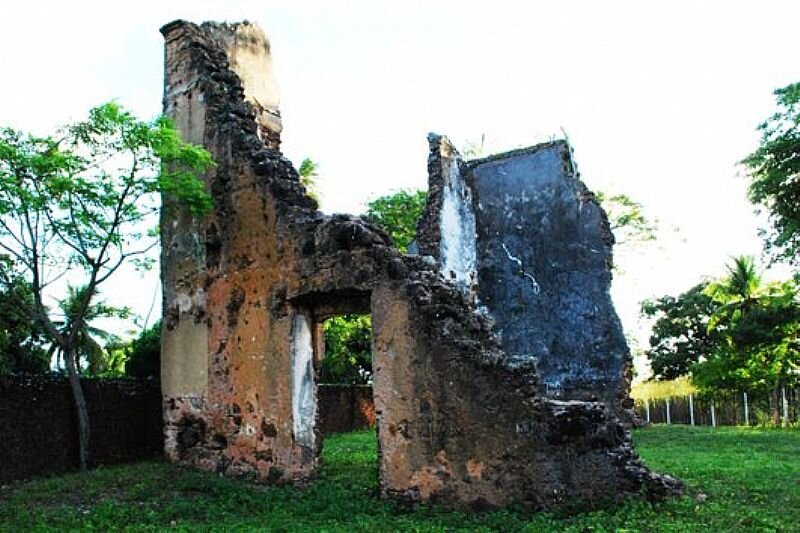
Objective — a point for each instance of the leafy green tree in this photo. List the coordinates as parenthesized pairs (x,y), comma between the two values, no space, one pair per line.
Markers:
(21,340)
(309,175)
(397,214)
(76,205)
(680,335)
(740,287)
(774,175)
(733,334)
(91,358)
(760,329)
(760,345)
(627,219)
(114,359)
(144,354)
(348,350)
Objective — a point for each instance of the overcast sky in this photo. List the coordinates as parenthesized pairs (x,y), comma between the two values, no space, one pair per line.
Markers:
(659,99)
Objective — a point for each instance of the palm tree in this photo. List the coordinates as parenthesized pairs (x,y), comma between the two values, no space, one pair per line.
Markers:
(752,317)
(736,292)
(88,338)
(743,280)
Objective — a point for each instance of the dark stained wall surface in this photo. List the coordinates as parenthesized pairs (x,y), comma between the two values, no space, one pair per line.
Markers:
(37,421)
(344,408)
(543,256)
(38,429)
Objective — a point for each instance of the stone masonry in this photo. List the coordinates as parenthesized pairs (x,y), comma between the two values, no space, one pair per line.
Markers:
(500,370)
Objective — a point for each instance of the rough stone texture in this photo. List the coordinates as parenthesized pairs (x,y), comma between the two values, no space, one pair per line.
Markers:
(249,56)
(344,408)
(38,426)
(441,157)
(459,424)
(543,266)
(461,420)
(544,249)
(37,421)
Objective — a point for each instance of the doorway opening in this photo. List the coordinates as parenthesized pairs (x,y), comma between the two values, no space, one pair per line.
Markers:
(344,374)
(340,339)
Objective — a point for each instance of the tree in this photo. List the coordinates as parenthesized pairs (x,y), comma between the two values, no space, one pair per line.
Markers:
(88,339)
(736,333)
(309,174)
(680,335)
(144,353)
(759,325)
(627,219)
(21,340)
(76,205)
(115,358)
(760,348)
(774,172)
(397,214)
(741,286)
(348,350)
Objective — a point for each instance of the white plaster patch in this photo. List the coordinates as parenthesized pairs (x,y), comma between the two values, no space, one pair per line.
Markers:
(188,302)
(304,405)
(458,249)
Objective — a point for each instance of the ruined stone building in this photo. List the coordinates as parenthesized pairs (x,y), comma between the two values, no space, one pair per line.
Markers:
(500,367)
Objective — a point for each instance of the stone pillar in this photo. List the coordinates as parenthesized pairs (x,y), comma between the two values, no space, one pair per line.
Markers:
(236,371)
(184,337)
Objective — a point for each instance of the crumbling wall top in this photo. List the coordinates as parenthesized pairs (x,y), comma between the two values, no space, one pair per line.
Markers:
(248,53)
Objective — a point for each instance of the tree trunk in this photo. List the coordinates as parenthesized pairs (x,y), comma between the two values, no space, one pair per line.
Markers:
(80,410)
(776,404)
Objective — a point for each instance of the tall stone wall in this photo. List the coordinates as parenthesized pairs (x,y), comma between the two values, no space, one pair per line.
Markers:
(247,287)
(464,415)
(344,408)
(540,249)
(38,430)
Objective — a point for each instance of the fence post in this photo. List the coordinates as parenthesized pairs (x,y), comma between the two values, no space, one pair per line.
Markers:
(785,407)
(691,409)
(669,418)
(746,410)
(713,415)
(647,409)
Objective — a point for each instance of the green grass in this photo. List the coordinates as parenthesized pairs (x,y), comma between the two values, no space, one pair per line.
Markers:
(739,479)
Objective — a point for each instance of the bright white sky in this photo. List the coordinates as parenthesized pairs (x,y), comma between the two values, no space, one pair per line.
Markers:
(659,99)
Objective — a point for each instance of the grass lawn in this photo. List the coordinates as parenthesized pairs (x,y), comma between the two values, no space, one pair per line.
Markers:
(739,479)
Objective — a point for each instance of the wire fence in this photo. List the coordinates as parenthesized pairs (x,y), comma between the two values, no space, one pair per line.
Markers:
(733,409)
